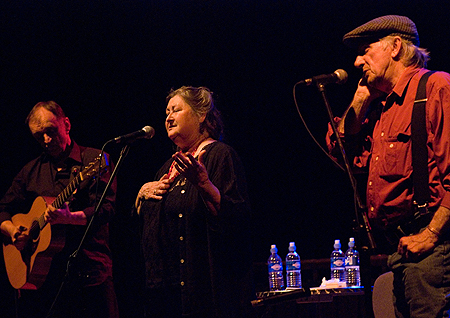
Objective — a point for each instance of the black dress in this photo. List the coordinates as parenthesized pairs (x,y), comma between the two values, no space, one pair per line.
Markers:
(196,264)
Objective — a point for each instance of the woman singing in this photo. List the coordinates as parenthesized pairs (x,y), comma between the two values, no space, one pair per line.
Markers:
(196,218)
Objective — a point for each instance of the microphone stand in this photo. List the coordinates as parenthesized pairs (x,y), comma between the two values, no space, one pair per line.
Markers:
(360,209)
(74,255)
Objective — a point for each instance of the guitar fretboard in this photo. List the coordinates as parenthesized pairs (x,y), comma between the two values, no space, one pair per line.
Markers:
(89,171)
(67,192)
(59,201)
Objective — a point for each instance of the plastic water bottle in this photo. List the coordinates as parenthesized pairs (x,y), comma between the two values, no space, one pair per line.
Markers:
(352,275)
(293,268)
(337,262)
(276,281)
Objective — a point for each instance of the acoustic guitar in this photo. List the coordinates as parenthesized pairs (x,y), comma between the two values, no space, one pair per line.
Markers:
(27,269)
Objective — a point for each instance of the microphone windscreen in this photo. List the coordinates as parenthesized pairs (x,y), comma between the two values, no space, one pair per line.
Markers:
(342,76)
(149,132)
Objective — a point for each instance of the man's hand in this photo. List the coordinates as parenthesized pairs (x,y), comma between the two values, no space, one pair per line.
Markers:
(366,93)
(58,216)
(21,238)
(64,216)
(417,245)
(356,114)
(19,235)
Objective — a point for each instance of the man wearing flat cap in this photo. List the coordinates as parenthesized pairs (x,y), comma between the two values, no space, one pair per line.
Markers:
(397,147)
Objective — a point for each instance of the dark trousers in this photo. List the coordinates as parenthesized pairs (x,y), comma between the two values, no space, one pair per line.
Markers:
(97,301)
(422,286)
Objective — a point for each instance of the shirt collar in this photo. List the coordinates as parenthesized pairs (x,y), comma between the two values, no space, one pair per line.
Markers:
(405,78)
(75,154)
(398,93)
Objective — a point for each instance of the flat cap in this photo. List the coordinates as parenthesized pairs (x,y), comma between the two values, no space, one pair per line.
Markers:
(378,28)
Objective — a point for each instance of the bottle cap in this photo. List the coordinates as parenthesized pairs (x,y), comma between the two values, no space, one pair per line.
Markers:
(337,243)
(351,242)
(292,246)
(273,248)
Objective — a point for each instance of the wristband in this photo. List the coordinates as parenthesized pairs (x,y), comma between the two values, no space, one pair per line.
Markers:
(434,231)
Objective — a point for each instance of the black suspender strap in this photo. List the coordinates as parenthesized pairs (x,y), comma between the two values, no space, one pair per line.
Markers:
(419,144)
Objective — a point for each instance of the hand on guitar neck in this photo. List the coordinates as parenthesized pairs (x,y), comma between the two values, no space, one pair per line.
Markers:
(64,216)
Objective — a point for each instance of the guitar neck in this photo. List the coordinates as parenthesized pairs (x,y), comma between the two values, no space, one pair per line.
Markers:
(61,198)
(95,167)
(67,192)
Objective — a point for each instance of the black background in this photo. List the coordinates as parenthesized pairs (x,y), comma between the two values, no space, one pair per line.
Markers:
(110,65)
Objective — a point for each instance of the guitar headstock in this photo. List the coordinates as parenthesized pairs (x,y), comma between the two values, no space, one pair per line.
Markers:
(96,167)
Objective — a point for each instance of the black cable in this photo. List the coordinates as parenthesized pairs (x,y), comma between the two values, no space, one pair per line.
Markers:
(310,133)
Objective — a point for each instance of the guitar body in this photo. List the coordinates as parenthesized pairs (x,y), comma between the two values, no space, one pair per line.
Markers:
(27,269)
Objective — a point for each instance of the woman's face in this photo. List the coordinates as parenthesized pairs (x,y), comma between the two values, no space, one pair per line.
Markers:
(182,123)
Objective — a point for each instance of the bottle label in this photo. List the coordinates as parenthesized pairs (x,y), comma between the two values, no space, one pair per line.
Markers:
(337,262)
(350,261)
(275,268)
(352,268)
(292,265)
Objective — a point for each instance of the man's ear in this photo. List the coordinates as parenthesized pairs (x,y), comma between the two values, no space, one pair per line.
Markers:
(67,124)
(396,47)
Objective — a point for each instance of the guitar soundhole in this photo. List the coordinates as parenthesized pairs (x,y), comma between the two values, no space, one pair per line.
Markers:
(33,243)
(35,231)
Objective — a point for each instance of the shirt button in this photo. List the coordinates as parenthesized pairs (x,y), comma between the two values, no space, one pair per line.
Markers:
(182,261)
(391,146)
(382,134)
(181,238)
(180,215)
(372,208)
(376,158)
(370,183)
(183,191)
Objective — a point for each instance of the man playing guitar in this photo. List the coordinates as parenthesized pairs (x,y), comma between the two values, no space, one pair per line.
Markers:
(56,173)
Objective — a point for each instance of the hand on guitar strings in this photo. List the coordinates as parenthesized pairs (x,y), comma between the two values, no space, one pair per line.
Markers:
(21,238)
(18,234)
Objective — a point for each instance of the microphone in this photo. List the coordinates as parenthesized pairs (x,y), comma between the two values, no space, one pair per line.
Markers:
(339,77)
(147,132)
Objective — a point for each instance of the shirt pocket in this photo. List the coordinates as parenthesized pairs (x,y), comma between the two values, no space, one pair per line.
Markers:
(397,157)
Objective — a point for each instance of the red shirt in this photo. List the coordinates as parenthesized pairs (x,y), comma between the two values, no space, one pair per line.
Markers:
(389,157)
